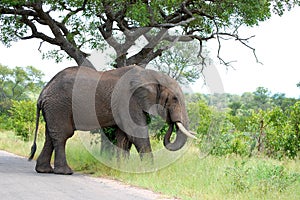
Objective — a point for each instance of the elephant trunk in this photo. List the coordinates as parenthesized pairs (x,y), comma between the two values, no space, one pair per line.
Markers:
(181,137)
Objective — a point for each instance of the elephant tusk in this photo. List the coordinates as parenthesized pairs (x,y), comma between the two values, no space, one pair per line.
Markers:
(193,133)
(184,131)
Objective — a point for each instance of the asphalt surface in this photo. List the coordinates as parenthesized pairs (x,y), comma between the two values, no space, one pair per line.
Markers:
(18,181)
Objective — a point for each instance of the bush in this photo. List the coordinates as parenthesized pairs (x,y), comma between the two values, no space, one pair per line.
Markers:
(22,118)
(274,178)
(263,177)
(200,116)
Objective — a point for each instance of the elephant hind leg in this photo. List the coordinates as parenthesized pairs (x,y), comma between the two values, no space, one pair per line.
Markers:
(59,125)
(60,162)
(123,144)
(44,159)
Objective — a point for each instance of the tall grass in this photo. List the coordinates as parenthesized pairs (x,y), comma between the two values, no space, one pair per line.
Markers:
(191,177)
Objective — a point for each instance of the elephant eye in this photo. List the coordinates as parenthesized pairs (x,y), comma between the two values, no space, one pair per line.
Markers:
(175,99)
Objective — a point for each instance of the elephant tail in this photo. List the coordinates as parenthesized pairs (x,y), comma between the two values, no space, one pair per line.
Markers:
(33,147)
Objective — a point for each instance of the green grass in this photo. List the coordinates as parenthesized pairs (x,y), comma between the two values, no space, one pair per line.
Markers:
(190,177)
(12,143)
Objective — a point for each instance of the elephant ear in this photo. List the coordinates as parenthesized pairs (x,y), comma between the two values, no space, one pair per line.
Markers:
(144,92)
(163,96)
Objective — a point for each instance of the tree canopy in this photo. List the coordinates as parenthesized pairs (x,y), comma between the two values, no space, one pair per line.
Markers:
(76,27)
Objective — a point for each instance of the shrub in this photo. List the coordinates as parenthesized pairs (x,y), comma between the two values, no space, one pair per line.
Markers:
(263,177)
(272,177)
(22,118)
(239,174)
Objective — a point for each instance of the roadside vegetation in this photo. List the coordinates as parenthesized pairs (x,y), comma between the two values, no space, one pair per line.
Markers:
(192,176)
(248,145)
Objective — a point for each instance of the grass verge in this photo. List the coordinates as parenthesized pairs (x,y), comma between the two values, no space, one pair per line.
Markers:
(190,177)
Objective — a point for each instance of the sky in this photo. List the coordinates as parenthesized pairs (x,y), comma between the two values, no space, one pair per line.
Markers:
(277,43)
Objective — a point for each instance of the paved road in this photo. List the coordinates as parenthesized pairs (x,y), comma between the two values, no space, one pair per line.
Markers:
(18,180)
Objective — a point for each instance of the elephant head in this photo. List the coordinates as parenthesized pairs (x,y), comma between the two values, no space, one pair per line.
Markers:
(157,93)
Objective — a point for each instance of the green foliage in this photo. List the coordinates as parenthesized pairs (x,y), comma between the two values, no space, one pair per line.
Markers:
(228,12)
(18,86)
(282,101)
(138,12)
(110,137)
(274,178)
(78,23)
(262,98)
(239,173)
(252,123)
(265,177)
(294,117)
(293,145)
(228,139)
(157,127)
(22,118)
(19,83)
(200,116)
(110,133)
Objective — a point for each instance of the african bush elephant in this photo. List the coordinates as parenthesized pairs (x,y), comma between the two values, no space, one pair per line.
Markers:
(80,98)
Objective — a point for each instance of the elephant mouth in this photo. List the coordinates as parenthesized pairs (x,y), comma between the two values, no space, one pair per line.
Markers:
(181,132)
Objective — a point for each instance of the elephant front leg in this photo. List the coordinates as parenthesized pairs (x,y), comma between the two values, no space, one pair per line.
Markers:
(60,162)
(44,159)
(143,147)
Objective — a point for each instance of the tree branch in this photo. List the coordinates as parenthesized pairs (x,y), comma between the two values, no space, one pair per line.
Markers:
(175,24)
(244,42)
(35,33)
(17,11)
(73,12)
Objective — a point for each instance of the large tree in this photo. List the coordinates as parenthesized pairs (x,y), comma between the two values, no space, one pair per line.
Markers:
(76,27)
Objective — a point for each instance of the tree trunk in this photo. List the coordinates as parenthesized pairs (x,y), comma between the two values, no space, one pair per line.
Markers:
(82,61)
(261,137)
(77,55)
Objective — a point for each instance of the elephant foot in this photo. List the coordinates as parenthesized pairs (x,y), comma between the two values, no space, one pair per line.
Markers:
(44,169)
(63,170)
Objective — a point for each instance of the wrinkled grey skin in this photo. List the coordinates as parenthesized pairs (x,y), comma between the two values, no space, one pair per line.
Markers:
(80,98)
